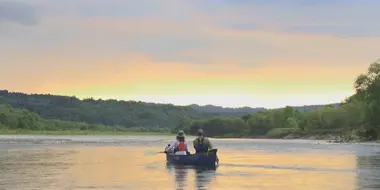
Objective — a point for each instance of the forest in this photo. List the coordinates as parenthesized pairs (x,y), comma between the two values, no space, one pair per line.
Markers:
(15,119)
(107,112)
(121,114)
(355,118)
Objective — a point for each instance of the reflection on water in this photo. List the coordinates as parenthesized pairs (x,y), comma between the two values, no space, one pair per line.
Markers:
(180,173)
(32,169)
(202,176)
(299,171)
(368,173)
(110,167)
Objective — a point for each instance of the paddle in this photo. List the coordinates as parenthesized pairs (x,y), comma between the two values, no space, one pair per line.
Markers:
(152,152)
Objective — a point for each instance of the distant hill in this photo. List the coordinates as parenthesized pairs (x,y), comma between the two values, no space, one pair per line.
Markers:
(120,113)
(249,110)
(314,107)
(219,109)
(106,112)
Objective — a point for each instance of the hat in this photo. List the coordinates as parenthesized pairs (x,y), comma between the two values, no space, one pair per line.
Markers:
(180,133)
(200,132)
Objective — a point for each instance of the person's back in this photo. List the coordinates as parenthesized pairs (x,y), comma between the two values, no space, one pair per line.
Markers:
(181,148)
(201,143)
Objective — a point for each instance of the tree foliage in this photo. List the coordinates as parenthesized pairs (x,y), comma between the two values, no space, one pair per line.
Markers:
(106,112)
(21,119)
(128,114)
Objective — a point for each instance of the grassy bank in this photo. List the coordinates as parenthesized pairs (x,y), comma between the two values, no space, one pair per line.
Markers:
(80,132)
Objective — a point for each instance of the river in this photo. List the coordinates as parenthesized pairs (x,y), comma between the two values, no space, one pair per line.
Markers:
(96,162)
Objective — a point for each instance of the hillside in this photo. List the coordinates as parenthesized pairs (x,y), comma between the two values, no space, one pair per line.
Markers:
(118,113)
(249,110)
(21,119)
(220,109)
(106,112)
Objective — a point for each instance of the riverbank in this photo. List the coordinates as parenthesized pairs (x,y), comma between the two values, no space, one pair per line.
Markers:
(329,138)
(81,132)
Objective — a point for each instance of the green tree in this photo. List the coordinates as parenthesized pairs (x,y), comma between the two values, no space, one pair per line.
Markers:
(367,87)
(246,117)
(259,124)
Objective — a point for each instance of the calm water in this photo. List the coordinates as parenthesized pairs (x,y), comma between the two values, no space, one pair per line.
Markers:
(28,162)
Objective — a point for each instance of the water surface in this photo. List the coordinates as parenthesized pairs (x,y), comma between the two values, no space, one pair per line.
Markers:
(96,162)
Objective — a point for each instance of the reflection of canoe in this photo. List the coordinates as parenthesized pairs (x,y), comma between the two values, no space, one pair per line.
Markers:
(201,159)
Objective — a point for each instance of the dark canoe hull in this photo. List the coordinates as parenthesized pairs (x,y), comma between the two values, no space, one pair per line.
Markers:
(200,159)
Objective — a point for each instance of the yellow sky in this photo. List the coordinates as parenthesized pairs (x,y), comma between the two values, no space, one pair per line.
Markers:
(166,59)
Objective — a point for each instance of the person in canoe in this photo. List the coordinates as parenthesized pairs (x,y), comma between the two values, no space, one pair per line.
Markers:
(201,143)
(179,146)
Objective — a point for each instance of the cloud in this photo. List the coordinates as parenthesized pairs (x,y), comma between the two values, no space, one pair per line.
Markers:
(336,17)
(18,12)
(173,41)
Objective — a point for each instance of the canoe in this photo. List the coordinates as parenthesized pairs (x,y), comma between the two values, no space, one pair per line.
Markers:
(209,158)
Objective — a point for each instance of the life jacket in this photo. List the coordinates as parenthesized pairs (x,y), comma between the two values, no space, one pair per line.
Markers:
(181,146)
(200,147)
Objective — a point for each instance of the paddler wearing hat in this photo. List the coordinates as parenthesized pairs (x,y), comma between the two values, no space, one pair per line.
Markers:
(179,146)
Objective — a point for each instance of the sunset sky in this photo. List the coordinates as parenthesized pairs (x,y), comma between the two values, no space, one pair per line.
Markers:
(258,53)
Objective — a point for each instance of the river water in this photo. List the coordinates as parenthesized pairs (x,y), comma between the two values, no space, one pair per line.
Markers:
(95,162)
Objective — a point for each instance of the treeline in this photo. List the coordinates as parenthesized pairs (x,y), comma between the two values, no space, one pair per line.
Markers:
(356,118)
(249,110)
(21,119)
(127,114)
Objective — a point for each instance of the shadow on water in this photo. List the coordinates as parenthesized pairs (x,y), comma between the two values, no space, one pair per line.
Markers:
(368,172)
(203,175)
